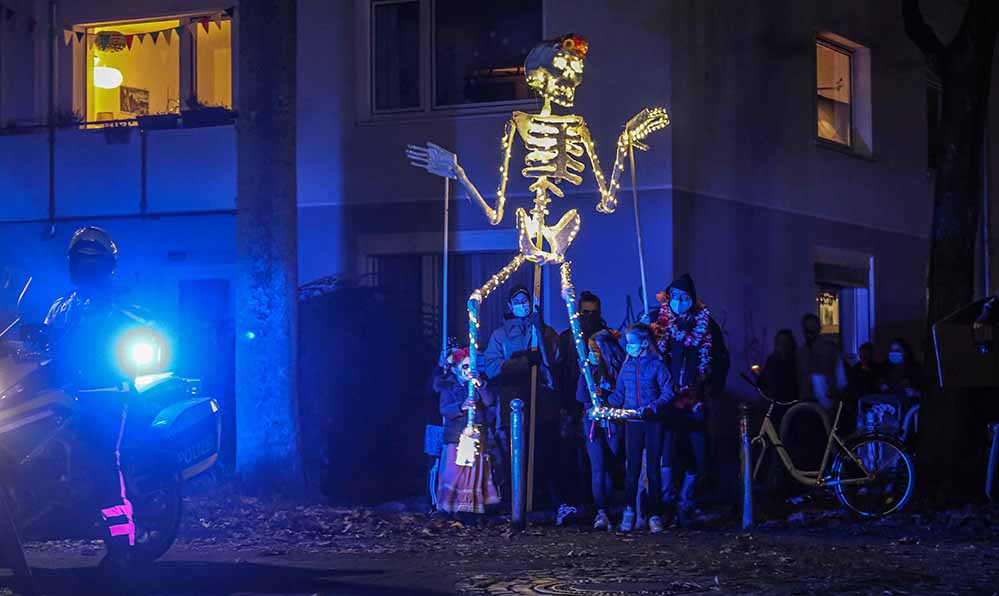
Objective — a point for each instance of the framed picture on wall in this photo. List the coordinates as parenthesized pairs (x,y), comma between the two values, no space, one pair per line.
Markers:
(134,101)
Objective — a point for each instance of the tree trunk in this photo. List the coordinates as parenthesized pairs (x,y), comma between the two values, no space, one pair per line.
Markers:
(964,68)
(268,453)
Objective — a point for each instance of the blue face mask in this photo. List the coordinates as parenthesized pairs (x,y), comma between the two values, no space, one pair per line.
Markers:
(679,306)
(521,310)
(593,358)
(635,350)
(896,357)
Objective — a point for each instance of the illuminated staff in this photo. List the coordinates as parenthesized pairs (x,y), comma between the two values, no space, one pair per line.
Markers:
(553,142)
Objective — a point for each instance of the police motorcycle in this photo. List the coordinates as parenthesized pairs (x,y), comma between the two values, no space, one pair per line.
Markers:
(172,435)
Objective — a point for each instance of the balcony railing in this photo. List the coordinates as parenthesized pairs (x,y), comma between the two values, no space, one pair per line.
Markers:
(117,170)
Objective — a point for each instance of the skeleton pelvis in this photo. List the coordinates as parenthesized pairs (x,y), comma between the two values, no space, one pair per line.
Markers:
(558,237)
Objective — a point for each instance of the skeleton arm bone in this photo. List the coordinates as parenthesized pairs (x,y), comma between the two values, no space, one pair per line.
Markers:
(440,161)
(640,126)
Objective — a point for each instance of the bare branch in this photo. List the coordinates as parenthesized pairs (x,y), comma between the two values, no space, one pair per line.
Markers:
(919,32)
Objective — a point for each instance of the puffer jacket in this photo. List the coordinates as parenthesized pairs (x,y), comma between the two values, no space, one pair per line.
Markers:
(452,395)
(512,373)
(644,382)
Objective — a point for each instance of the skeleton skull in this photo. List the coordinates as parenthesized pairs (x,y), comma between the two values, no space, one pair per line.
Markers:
(555,68)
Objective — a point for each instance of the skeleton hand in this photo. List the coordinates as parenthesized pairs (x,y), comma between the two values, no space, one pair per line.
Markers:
(434,159)
(643,124)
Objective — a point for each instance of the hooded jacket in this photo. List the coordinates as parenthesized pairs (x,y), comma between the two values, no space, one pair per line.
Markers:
(683,360)
(506,363)
(644,382)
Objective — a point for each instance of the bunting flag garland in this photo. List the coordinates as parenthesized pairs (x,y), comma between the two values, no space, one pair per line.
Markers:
(113,41)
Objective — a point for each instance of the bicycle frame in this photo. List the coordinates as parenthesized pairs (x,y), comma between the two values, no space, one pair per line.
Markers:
(768,436)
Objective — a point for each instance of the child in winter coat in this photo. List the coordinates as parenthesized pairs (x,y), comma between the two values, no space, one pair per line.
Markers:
(466,487)
(644,386)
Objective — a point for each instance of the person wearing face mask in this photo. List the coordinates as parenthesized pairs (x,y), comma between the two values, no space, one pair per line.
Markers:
(903,375)
(521,343)
(694,349)
(643,385)
(466,489)
(603,439)
(820,365)
(572,445)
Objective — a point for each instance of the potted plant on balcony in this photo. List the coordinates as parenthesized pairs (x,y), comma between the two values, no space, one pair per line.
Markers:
(163,121)
(200,114)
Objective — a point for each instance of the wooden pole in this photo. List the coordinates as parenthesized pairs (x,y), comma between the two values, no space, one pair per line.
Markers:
(447,210)
(638,227)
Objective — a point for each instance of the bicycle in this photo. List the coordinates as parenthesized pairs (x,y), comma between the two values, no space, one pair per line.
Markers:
(871,475)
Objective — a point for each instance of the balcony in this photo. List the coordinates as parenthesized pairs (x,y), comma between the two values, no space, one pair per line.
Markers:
(118,172)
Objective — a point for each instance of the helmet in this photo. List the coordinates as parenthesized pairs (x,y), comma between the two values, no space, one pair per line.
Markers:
(93,256)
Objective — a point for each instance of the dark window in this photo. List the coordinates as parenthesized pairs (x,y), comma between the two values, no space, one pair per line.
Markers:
(479,49)
(396,55)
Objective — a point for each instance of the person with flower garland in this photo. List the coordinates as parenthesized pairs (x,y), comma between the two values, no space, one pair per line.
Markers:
(464,488)
(694,350)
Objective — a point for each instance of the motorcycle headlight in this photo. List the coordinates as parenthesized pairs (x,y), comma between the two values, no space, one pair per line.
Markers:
(142,351)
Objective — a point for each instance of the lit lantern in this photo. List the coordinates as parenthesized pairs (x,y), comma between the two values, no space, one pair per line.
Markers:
(107,77)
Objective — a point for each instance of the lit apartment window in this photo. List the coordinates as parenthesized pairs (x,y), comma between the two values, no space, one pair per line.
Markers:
(446,54)
(843,93)
(134,69)
(213,63)
(834,78)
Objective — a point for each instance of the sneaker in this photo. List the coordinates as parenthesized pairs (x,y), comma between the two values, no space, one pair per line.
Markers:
(602,522)
(655,524)
(628,520)
(565,512)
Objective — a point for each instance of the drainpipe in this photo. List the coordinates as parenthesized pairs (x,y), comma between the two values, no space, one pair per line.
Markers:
(986,215)
(51,115)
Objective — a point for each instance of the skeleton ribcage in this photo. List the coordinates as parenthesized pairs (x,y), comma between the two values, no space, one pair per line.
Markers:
(552,143)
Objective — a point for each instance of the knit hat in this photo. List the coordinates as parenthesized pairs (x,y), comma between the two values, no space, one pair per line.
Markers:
(684,283)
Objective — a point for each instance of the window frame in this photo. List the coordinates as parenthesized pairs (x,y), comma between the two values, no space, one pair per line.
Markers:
(186,63)
(862,143)
(428,108)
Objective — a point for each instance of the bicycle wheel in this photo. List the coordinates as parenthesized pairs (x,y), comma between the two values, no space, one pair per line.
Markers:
(893,476)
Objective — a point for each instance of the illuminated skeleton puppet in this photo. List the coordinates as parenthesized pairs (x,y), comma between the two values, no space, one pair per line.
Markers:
(553,142)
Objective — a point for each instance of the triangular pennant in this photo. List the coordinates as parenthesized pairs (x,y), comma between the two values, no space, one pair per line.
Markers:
(192,27)
(168,35)
(67,36)
(128,41)
(79,36)
(217,19)
(230,11)
(180,32)
(142,37)
(204,23)
(155,35)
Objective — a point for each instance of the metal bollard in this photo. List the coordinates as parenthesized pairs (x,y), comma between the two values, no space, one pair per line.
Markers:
(747,473)
(518,513)
(993,461)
